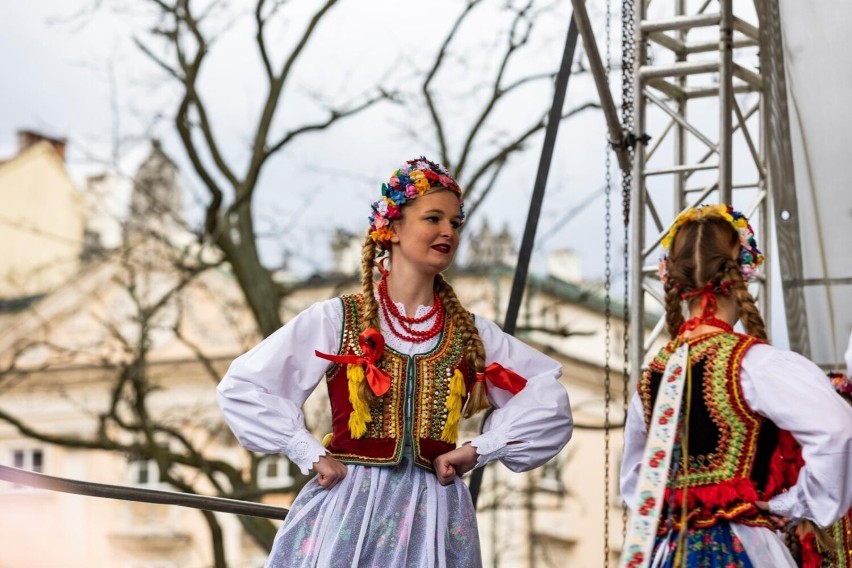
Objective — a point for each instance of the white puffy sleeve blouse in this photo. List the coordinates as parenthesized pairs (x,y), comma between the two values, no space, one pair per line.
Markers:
(263,392)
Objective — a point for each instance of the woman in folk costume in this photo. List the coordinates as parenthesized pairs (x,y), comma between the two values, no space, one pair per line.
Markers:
(831,547)
(812,546)
(840,554)
(701,470)
(403,362)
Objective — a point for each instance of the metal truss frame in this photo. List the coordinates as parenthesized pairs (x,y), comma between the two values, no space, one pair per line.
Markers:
(699,94)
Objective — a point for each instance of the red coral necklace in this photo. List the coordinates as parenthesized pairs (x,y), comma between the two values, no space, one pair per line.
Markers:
(408,333)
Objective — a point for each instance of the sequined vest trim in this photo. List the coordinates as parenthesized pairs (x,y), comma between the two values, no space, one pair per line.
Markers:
(842,533)
(383,442)
(730,446)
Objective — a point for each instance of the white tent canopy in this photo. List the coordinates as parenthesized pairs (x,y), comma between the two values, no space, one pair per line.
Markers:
(818,67)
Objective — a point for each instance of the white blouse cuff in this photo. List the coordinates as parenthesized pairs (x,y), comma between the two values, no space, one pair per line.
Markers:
(490,446)
(784,505)
(304,450)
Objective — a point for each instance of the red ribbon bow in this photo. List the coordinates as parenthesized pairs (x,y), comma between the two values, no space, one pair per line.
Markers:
(372,345)
(810,554)
(708,295)
(503,378)
(708,306)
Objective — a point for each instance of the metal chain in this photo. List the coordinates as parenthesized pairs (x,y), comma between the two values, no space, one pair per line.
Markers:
(607,303)
(628,62)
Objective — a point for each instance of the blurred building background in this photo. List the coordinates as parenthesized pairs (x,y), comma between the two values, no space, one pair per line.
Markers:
(115,331)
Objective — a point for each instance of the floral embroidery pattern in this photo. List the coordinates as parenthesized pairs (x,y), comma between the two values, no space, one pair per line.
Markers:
(708,548)
(656,459)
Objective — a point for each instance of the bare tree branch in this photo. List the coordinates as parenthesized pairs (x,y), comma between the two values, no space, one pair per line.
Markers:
(261,41)
(492,182)
(497,92)
(259,151)
(232,226)
(526,80)
(430,75)
(333,116)
(516,145)
(191,71)
(157,60)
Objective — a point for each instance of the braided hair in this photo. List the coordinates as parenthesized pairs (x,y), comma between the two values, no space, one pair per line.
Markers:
(705,250)
(370,317)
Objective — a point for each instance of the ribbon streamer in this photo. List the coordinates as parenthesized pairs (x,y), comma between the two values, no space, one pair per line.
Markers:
(503,378)
(372,345)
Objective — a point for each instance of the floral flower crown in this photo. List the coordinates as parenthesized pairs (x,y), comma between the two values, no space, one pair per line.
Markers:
(749,257)
(841,383)
(410,181)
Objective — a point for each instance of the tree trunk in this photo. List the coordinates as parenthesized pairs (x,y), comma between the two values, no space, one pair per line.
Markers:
(261,531)
(255,280)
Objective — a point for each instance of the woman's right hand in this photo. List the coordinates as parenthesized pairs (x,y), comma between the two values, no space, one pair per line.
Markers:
(329,471)
(779,522)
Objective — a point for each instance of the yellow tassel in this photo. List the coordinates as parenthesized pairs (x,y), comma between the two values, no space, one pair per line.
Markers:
(360,411)
(454,405)
(326,440)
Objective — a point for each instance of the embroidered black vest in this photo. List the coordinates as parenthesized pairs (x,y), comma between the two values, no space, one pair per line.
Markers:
(729,446)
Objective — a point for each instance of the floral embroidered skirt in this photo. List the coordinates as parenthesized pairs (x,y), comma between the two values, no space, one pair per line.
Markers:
(380,517)
(717,546)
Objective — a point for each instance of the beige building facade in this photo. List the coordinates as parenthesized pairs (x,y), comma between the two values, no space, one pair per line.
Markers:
(41,220)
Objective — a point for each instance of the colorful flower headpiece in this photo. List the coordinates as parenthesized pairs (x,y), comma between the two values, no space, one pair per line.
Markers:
(841,383)
(413,179)
(749,257)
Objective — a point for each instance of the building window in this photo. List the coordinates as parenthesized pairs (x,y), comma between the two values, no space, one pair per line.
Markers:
(31,459)
(551,476)
(618,498)
(144,473)
(274,471)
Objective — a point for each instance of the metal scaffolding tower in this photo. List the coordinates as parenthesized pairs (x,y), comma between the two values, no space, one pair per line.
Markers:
(701,98)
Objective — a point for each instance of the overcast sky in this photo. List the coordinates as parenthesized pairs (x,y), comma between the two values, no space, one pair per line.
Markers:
(77,74)
(82,78)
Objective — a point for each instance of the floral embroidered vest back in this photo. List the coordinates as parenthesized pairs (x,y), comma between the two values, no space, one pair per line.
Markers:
(387,430)
(729,446)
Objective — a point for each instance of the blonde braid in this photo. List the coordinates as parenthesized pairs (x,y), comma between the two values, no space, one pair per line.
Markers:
(370,317)
(474,349)
(748,313)
(674,309)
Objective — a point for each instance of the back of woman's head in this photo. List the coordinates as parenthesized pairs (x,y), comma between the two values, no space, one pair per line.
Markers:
(701,252)
(711,247)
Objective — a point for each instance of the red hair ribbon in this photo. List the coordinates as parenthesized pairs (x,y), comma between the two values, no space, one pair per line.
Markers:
(708,295)
(503,378)
(708,306)
(381,266)
(372,345)
(810,555)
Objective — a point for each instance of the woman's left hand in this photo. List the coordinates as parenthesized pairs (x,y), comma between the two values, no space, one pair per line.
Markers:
(455,462)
